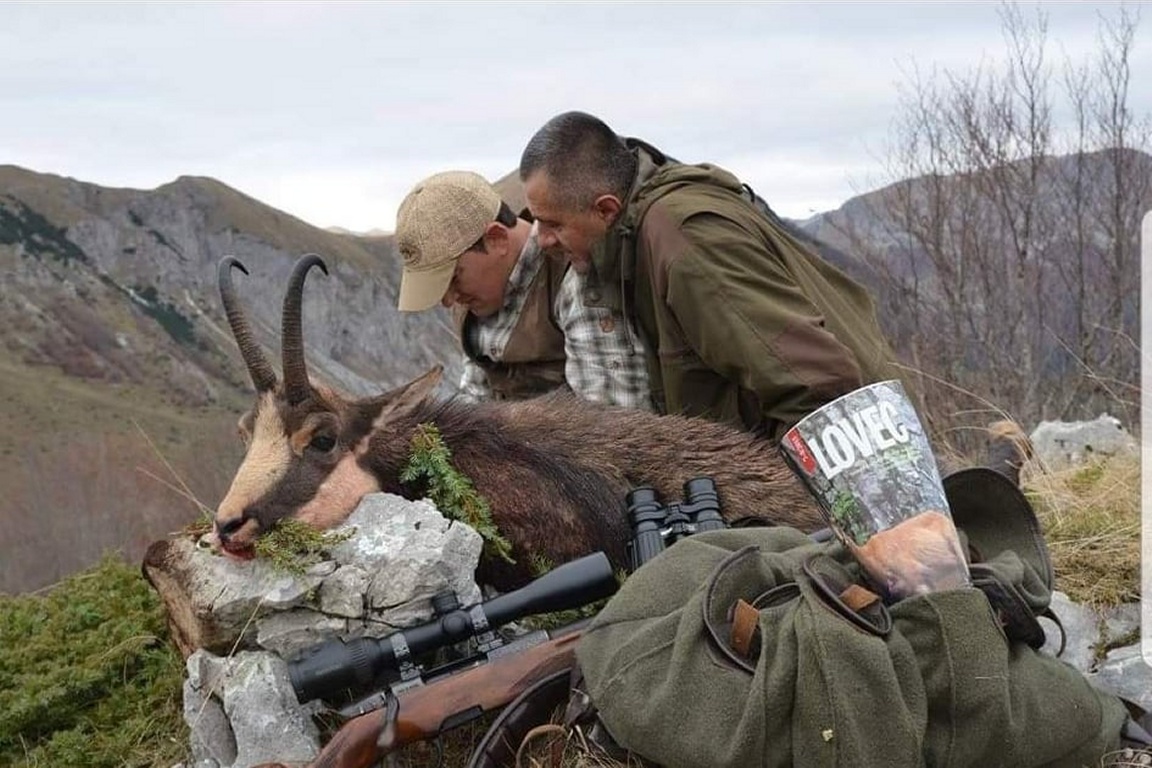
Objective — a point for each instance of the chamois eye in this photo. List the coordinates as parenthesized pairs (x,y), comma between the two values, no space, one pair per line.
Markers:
(322,443)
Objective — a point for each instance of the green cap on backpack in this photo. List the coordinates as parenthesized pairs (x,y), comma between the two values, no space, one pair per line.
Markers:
(996,517)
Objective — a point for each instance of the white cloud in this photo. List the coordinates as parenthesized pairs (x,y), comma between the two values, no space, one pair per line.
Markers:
(332,110)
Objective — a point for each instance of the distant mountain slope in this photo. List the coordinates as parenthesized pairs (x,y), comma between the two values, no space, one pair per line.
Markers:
(143,263)
(865,218)
(111,318)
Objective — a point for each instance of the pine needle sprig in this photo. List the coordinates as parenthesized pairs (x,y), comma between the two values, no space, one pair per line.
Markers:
(293,546)
(450,490)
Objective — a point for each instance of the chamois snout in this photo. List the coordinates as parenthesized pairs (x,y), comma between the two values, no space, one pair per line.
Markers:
(230,537)
(235,534)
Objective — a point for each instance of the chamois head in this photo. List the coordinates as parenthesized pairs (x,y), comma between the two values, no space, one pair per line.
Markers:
(303,441)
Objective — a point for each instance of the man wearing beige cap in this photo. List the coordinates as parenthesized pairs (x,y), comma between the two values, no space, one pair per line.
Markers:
(523,326)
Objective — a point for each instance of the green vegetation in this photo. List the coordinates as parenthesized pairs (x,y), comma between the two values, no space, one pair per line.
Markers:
(178,326)
(292,546)
(1091,519)
(20,225)
(87,675)
(453,494)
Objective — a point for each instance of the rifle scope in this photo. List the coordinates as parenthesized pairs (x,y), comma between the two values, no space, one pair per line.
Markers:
(338,666)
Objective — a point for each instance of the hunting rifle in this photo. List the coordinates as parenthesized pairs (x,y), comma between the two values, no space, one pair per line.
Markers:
(417,704)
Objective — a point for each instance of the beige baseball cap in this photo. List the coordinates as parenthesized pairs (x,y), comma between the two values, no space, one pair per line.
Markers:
(440,218)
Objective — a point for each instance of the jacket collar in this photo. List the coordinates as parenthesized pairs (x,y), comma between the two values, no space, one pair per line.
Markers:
(614,257)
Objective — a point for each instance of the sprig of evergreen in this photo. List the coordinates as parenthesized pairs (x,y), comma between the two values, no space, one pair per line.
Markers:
(450,490)
(292,546)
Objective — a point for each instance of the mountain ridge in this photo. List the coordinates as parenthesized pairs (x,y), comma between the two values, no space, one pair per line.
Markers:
(114,336)
(115,344)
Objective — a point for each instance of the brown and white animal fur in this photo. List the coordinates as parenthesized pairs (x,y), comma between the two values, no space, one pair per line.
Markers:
(555,470)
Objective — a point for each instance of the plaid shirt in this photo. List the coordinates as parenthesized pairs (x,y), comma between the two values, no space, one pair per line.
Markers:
(605,357)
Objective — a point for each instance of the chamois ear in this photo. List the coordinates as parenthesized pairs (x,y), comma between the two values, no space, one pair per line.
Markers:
(405,398)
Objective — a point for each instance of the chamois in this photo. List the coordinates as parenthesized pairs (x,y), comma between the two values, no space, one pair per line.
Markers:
(554,469)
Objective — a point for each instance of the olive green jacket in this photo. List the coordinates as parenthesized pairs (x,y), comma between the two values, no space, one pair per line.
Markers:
(744,324)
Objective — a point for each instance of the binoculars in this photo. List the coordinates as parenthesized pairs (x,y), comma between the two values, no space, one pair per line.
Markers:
(655,526)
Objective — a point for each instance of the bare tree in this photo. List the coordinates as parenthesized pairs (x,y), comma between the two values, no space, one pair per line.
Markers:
(1006,246)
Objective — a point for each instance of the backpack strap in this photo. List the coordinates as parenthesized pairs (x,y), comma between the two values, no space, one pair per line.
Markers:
(1015,615)
(1049,614)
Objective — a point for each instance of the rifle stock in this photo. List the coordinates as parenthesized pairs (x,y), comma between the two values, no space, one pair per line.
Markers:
(426,711)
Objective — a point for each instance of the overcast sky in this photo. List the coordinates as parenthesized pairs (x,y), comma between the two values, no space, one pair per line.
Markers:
(332,111)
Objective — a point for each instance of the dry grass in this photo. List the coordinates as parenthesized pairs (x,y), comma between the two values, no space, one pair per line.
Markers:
(574,750)
(88,467)
(1091,518)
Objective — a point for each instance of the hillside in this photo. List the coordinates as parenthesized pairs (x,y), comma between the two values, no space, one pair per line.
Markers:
(1013,286)
(117,358)
(120,384)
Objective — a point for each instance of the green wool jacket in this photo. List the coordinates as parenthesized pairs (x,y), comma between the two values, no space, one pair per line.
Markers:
(930,681)
(744,324)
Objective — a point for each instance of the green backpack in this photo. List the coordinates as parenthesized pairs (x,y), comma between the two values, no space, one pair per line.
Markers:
(760,647)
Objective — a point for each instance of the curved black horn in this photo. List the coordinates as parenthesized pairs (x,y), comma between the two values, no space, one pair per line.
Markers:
(261,371)
(296,386)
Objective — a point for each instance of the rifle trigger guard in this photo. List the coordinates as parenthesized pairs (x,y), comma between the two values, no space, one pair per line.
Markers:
(386,741)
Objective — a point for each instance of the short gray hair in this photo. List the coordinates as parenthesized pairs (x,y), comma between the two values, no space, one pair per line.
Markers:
(582,156)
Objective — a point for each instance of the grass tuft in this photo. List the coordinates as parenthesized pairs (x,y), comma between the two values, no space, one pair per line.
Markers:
(1091,518)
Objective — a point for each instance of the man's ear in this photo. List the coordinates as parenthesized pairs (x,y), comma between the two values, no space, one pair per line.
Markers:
(607,207)
(495,234)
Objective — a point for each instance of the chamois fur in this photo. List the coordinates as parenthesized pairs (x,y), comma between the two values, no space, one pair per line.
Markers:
(555,470)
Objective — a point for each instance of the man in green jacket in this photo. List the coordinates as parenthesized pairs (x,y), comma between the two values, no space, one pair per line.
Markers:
(742,323)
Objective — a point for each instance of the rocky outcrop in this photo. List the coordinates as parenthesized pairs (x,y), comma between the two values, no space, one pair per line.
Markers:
(1061,443)
(238,622)
(400,554)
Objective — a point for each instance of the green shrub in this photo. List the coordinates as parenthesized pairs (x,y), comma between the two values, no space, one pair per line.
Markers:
(88,676)
(179,327)
(19,224)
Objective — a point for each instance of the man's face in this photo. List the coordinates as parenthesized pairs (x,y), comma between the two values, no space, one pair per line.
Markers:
(481,278)
(575,231)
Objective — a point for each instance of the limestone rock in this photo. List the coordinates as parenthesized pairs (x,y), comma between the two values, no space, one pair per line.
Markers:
(1125,673)
(237,622)
(401,555)
(1061,443)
